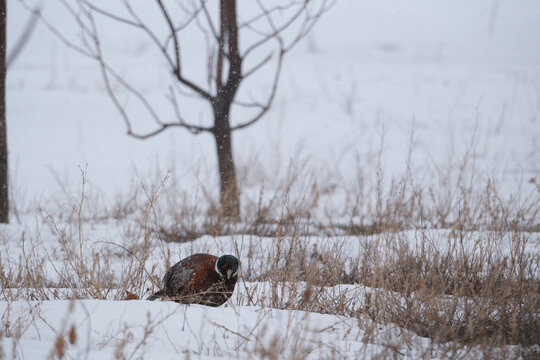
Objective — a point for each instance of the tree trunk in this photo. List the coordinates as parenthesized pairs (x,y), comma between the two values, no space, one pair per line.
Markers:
(4,197)
(230,204)
(221,105)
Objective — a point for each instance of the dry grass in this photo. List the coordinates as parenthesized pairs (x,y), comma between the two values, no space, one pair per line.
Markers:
(459,286)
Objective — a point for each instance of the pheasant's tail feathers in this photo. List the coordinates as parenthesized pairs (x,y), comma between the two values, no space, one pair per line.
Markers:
(157,295)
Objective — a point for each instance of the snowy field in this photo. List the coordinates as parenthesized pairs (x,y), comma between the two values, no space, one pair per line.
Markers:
(256,322)
(404,143)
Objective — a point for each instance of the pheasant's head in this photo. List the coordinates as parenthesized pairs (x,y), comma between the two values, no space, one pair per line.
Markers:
(227,266)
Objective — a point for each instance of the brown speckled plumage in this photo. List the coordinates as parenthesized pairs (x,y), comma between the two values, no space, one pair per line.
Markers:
(194,280)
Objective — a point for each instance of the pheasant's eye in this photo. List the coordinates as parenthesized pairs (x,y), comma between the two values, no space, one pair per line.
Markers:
(224,267)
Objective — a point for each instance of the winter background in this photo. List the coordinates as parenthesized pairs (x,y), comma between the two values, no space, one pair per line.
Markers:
(378,87)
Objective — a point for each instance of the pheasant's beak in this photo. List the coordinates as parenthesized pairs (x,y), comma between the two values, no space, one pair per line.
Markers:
(229,273)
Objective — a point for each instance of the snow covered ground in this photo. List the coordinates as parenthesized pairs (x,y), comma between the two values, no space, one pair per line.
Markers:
(253,324)
(125,330)
(246,327)
(378,87)
(169,331)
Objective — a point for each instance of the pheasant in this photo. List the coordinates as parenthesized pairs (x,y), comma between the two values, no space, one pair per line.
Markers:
(200,279)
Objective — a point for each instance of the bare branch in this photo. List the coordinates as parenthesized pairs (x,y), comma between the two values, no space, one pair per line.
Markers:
(163,50)
(174,102)
(120,79)
(173,34)
(209,20)
(194,129)
(264,108)
(150,34)
(275,35)
(58,34)
(210,50)
(276,31)
(181,27)
(277,8)
(303,9)
(258,66)
(309,23)
(165,126)
(225,60)
(194,87)
(221,49)
(105,76)
(23,39)
(106,70)
(86,31)
(252,104)
(110,15)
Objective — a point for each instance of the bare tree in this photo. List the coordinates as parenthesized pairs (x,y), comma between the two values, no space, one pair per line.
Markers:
(273,28)
(5,62)
(4,196)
